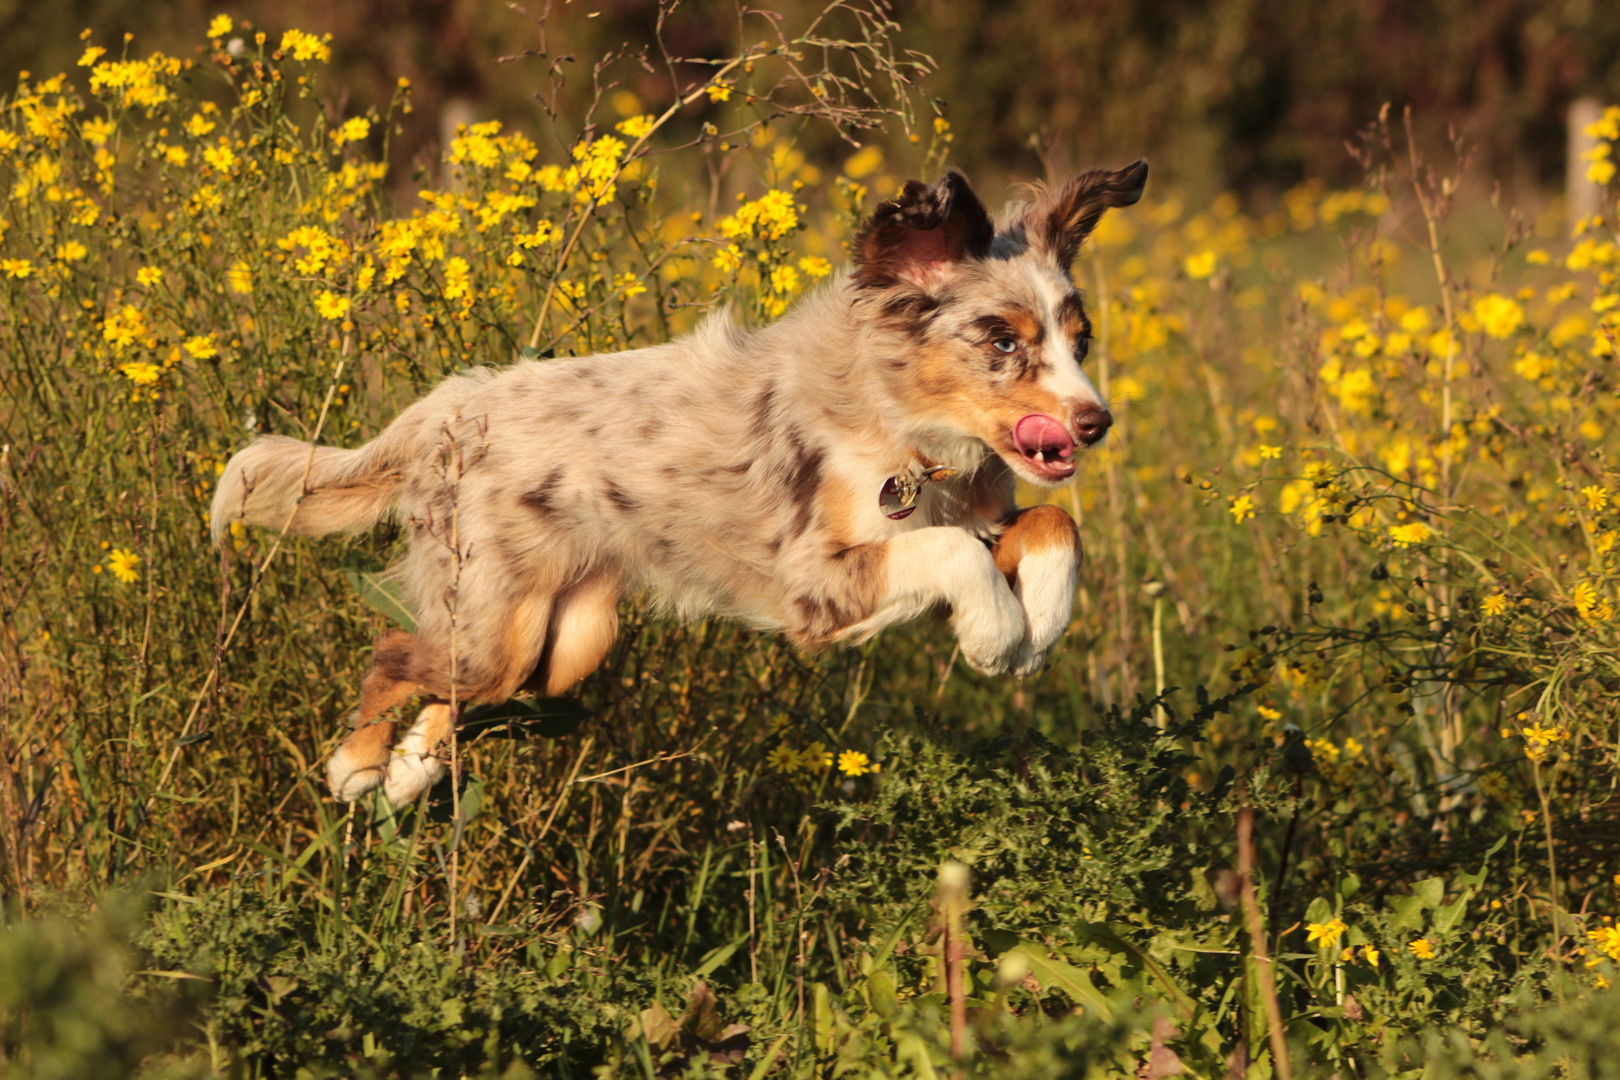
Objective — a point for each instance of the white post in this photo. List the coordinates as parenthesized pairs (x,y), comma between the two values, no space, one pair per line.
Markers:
(1583,197)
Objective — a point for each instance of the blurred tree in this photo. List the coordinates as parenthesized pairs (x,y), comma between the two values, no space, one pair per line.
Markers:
(1252,94)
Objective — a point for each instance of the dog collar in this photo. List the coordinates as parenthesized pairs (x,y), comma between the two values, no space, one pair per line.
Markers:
(897,497)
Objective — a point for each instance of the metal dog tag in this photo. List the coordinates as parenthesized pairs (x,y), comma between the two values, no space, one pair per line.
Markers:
(897,498)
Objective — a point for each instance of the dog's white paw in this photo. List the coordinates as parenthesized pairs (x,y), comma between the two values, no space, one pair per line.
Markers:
(349,776)
(1045,589)
(992,631)
(413,768)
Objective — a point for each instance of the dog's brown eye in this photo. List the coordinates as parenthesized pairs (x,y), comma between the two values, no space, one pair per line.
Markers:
(1082,349)
(1006,345)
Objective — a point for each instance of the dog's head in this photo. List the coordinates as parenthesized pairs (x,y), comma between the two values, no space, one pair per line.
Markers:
(994,332)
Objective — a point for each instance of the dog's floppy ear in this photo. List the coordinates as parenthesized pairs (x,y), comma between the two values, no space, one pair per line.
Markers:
(920,235)
(1062,219)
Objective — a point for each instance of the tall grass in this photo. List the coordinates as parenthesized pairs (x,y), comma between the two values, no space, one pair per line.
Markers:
(1359,489)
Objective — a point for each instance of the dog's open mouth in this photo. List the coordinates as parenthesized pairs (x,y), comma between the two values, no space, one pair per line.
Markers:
(1046,446)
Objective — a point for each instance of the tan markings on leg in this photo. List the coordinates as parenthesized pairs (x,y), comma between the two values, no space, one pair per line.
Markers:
(1036,529)
(360,763)
(583,626)
(523,642)
(389,684)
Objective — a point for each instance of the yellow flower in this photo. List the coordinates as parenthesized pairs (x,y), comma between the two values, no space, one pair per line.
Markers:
(815,757)
(96,132)
(221,26)
(1413,532)
(91,54)
(1596,497)
(1200,266)
(628,285)
(853,763)
(770,217)
(784,279)
(331,305)
(304,46)
(199,125)
(1270,452)
(1590,603)
(72,251)
(784,759)
(16,268)
(1242,509)
(728,259)
(1325,935)
(1498,315)
(176,155)
(124,327)
(123,565)
(815,266)
(149,276)
(1607,939)
(1493,605)
(864,162)
(1370,954)
(221,158)
(719,92)
(239,278)
(1268,713)
(202,346)
(456,278)
(141,373)
(351,130)
(636,126)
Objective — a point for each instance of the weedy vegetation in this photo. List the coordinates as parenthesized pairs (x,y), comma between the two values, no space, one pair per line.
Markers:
(1322,782)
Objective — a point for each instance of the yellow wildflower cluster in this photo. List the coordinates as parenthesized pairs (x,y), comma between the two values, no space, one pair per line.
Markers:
(1538,739)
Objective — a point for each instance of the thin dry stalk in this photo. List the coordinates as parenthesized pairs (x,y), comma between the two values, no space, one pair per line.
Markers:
(1257,943)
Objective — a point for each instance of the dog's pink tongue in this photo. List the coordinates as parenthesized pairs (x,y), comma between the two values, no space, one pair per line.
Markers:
(1037,431)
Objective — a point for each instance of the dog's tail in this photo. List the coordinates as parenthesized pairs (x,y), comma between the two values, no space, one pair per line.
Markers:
(312,490)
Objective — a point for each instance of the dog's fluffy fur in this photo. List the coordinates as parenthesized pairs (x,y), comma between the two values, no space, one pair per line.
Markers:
(732,471)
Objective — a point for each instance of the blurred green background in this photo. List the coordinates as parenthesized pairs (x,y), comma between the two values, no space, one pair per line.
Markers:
(1245,95)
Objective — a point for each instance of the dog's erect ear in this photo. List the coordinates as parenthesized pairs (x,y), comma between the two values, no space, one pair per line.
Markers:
(1062,219)
(919,236)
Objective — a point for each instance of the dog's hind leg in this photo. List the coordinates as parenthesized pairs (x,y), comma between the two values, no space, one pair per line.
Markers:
(583,626)
(415,764)
(1039,553)
(496,653)
(361,761)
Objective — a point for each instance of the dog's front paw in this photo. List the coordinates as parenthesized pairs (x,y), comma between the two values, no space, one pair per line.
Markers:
(1045,589)
(992,633)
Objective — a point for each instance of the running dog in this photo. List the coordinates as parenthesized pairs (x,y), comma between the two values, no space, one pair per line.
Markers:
(847,467)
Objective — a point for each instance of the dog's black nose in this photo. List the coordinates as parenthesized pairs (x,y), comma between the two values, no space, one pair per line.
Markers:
(1092,423)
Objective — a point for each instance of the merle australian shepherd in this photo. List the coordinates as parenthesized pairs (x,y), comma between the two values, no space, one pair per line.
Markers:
(844,468)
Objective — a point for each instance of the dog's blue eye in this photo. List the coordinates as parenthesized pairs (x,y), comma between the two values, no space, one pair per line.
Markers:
(1005,344)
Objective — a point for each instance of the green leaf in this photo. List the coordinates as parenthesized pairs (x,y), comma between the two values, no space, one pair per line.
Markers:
(544,718)
(714,958)
(1051,974)
(383,594)
(1407,912)
(1349,885)
(881,994)
(1430,891)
